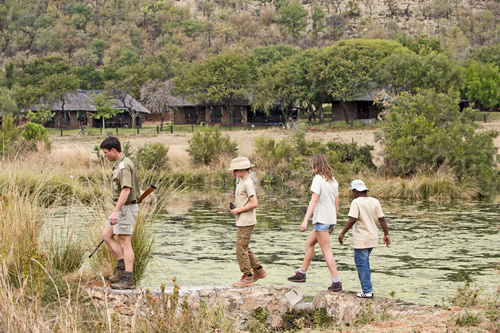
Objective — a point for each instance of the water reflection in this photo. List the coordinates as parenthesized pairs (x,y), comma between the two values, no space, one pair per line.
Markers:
(434,247)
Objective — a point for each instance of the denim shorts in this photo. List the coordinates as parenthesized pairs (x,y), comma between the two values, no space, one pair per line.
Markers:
(323,227)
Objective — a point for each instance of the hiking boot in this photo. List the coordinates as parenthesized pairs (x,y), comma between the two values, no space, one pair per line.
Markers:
(246,281)
(127,282)
(336,286)
(365,295)
(298,277)
(117,277)
(259,274)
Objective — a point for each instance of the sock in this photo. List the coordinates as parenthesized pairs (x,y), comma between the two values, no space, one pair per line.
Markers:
(121,264)
(302,272)
(335,280)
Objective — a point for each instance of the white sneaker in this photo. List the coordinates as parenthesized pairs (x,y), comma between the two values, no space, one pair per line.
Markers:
(363,295)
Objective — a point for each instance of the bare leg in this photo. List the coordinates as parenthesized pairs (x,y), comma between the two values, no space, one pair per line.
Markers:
(323,238)
(310,243)
(128,252)
(113,245)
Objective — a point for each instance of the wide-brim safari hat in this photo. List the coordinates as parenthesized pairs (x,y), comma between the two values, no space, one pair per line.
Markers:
(240,163)
(358,185)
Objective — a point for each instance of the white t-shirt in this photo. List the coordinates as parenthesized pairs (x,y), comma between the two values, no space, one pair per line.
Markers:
(324,212)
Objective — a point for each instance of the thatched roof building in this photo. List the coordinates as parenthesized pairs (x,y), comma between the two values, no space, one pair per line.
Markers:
(77,107)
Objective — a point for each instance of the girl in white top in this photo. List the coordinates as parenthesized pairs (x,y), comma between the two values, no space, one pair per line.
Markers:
(323,207)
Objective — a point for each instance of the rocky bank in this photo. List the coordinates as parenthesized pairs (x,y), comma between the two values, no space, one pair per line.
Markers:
(239,303)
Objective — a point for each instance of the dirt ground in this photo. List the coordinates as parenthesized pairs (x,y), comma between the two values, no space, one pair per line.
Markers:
(178,142)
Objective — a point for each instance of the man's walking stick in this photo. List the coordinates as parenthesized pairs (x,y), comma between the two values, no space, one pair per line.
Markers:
(148,191)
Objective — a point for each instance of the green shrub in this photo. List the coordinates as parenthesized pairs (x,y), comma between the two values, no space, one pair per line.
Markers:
(468,319)
(428,130)
(152,156)
(9,135)
(34,133)
(274,151)
(208,143)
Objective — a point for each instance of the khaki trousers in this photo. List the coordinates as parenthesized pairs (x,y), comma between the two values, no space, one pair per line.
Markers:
(246,259)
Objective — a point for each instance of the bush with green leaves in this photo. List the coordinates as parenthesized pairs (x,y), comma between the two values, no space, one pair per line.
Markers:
(9,135)
(35,133)
(152,156)
(289,158)
(208,143)
(427,130)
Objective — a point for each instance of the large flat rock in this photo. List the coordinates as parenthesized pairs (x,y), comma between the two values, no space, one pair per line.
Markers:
(346,308)
(238,302)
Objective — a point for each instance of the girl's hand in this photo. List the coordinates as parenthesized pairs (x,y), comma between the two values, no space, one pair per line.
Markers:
(235,211)
(303,226)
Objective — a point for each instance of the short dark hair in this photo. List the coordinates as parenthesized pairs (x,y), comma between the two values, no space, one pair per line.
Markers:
(111,142)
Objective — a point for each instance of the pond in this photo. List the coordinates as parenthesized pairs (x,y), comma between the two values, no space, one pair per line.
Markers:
(435,247)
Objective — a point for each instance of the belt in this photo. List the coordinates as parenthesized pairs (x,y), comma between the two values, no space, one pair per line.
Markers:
(133,202)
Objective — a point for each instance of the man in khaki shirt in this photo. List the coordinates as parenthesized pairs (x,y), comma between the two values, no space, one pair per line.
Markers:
(244,210)
(121,222)
(365,215)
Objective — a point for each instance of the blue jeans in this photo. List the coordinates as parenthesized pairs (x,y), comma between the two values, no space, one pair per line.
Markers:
(362,260)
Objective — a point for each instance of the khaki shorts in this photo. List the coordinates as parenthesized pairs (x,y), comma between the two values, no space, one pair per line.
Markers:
(126,220)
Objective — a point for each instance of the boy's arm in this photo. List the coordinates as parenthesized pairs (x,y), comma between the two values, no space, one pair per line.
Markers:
(348,226)
(383,224)
(310,209)
(252,204)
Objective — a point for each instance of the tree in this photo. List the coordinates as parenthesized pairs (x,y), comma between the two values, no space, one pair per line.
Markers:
(291,17)
(318,19)
(54,88)
(7,102)
(103,105)
(274,90)
(410,72)
(41,116)
(159,97)
(427,130)
(347,68)
(482,83)
(222,78)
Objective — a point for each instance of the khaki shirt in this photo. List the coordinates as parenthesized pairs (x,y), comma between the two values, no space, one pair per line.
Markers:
(244,190)
(365,231)
(124,175)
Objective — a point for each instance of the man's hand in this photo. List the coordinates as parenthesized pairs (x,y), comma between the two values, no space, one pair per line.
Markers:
(341,238)
(303,226)
(387,240)
(113,219)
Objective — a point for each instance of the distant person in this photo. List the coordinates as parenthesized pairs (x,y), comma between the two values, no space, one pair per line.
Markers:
(244,208)
(122,220)
(365,215)
(323,207)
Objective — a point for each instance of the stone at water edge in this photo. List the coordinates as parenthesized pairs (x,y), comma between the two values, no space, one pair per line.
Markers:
(346,307)
(238,302)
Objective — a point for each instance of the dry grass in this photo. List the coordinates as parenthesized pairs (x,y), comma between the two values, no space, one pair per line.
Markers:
(72,157)
(442,184)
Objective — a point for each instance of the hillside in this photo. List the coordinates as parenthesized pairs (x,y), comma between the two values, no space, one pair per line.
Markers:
(98,32)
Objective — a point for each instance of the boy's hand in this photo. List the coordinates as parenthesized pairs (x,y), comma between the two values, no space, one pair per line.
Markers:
(234,211)
(303,226)
(341,238)
(387,240)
